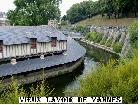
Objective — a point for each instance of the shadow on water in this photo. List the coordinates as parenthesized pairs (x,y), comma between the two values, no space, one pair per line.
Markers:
(60,82)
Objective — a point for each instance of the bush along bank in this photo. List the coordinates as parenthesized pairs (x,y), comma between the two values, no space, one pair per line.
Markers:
(111,80)
(11,93)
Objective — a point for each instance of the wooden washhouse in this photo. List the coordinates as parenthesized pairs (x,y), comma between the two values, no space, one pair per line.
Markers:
(23,41)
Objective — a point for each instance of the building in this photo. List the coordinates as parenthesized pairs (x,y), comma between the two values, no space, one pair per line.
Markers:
(33,48)
(23,41)
(53,23)
(3,19)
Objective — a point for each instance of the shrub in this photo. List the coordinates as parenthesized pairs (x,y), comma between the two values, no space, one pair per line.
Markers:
(91,36)
(13,92)
(103,41)
(99,37)
(63,23)
(94,36)
(133,30)
(111,80)
(117,47)
(108,44)
(79,28)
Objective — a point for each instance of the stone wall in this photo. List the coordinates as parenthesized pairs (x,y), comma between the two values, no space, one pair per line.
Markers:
(114,33)
(37,75)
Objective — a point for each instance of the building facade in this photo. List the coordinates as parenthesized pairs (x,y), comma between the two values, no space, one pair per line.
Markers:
(23,41)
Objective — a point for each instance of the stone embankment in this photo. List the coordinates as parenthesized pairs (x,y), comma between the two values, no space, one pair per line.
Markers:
(116,34)
(103,47)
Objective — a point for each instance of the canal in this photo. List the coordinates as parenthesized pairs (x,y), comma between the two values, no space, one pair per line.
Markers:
(69,81)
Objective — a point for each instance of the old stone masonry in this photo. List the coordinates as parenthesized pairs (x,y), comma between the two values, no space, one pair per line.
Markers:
(114,33)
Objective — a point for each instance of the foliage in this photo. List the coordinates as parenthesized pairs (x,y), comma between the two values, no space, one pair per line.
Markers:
(94,36)
(103,41)
(34,12)
(80,28)
(98,38)
(64,18)
(110,8)
(133,31)
(13,92)
(63,23)
(117,47)
(114,79)
(109,42)
(91,36)
(81,11)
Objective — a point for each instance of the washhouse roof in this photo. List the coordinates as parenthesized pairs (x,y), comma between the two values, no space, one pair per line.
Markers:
(22,34)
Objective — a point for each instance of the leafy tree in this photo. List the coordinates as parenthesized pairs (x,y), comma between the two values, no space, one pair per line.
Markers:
(112,8)
(34,12)
(64,18)
(83,10)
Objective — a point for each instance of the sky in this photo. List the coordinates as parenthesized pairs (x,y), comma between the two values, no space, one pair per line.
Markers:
(6,5)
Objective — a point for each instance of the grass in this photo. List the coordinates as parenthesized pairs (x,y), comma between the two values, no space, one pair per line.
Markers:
(98,20)
(114,79)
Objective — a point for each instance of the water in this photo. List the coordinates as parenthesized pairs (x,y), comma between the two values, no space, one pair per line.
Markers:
(92,58)
(69,81)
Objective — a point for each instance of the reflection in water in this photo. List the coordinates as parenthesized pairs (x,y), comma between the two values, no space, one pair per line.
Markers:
(92,57)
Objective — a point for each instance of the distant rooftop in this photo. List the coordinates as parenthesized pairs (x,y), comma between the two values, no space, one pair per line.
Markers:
(22,34)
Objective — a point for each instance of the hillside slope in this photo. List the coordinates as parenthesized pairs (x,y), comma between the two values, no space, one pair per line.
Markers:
(98,20)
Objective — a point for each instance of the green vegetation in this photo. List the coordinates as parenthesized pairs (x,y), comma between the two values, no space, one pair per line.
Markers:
(98,20)
(13,92)
(110,80)
(91,36)
(94,36)
(133,31)
(109,42)
(79,28)
(106,8)
(34,12)
(117,47)
(98,38)
(103,41)
(117,78)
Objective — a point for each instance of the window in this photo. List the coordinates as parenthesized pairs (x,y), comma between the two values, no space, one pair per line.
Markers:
(53,43)
(33,43)
(1,46)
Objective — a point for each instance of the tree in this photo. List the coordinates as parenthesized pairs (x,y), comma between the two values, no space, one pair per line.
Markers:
(83,10)
(112,8)
(34,12)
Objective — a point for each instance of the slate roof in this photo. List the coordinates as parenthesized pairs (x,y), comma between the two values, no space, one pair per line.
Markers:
(22,34)
(74,52)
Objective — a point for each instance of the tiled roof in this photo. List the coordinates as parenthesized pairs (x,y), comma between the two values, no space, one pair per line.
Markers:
(22,34)
(74,52)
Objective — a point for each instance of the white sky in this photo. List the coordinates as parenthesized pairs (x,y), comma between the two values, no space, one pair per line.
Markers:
(6,5)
